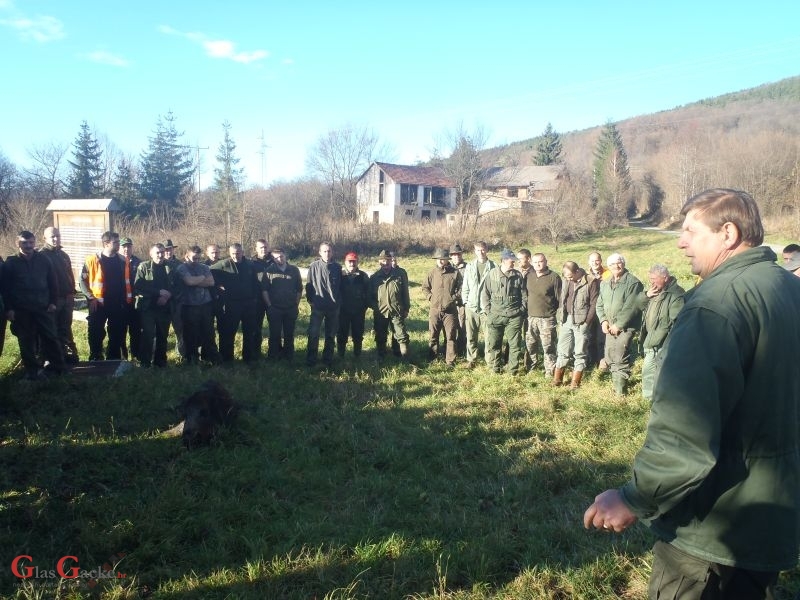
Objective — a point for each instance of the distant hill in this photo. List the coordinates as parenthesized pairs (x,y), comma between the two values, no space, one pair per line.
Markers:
(719,138)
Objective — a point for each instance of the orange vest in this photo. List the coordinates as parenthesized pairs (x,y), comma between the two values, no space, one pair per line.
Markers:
(94,279)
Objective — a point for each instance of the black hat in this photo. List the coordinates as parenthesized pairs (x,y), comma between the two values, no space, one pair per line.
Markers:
(384,254)
(441,254)
(456,249)
(168,244)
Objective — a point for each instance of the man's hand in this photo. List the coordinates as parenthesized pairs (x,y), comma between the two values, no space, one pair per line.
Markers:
(51,308)
(609,512)
(93,304)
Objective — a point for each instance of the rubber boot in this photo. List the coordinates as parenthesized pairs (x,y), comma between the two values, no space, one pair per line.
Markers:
(404,353)
(618,379)
(357,347)
(576,380)
(558,377)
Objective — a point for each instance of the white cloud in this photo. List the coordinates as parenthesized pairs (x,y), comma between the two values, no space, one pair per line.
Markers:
(107,58)
(41,29)
(224,49)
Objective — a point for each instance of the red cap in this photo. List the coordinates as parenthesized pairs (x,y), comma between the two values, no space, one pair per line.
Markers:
(351,256)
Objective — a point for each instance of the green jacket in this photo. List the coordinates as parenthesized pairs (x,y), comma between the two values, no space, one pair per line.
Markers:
(617,302)
(504,295)
(659,313)
(473,284)
(146,286)
(389,292)
(718,476)
(443,288)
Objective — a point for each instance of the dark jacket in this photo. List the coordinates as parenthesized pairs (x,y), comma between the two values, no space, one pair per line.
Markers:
(718,475)
(239,280)
(443,288)
(150,280)
(504,295)
(29,284)
(355,292)
(389,292)
(659,313)
(284,287)
(62,267)
(323,288)
(543,293)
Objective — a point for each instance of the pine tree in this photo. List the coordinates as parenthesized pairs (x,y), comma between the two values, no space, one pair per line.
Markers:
(125,189)
(611,177)
(86,177)
(167,167)
(548,150)
(227,177)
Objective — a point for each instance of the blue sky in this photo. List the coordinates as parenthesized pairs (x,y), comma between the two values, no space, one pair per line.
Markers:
(409,71)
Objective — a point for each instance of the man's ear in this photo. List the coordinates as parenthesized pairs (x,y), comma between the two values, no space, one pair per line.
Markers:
(732,237)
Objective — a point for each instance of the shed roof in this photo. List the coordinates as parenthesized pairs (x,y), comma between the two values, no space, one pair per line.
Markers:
(540,177)
(87,204)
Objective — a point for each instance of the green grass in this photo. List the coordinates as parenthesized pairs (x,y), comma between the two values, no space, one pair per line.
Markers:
(368,481)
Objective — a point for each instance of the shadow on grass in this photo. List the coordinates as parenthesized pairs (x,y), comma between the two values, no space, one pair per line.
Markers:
(371,477)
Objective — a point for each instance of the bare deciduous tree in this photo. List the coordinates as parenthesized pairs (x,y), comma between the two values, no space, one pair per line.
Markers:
(339,157)
(45,178)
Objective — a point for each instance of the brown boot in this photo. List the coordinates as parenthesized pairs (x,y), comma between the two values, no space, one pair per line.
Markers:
(576,380)
(558,377)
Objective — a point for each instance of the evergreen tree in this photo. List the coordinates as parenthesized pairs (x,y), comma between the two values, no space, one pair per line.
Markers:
(227,177)
(611,177)
(548,150)
(167,167)
(125,189)
(86,177)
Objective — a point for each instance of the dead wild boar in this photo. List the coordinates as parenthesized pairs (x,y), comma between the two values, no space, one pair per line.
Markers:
(204,411)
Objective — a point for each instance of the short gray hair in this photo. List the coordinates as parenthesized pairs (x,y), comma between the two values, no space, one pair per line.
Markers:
(659,269)
(615,258)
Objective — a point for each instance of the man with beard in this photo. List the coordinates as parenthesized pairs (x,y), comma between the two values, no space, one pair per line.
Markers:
(390,304)
(355,301)
(154,293)
(283,284)
(65,305)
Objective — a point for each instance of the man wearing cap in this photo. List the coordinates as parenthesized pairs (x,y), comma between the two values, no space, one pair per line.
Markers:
(503,299)
(324,293)
(62,267)
(133,325)
(442,289)
(107,282)
(355,301)
(390,304)
(262,260)
(620,319)
(475,274)
(283,285)
(236,276)
(457,260)
(791,258)
(154,291)
(30,295)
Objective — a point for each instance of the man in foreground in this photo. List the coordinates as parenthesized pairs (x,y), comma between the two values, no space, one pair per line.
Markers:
(717,478)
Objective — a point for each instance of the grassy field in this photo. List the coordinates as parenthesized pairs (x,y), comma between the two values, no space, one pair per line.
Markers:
(370,480)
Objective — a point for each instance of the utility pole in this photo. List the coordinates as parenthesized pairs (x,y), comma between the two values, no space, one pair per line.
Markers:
(197,148)
(263,152)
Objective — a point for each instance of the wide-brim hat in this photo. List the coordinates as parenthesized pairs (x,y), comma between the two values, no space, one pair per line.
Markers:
(440,254)
(385,254)
(456,249)
(168,244)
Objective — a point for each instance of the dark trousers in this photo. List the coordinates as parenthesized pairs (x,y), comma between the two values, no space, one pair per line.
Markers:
(351,324)
(112,316)
(677,575)
(63,319)
(2,331)
(282,323)
(439,322)
(133,331)
(155,331)
(177,326)
(381,326)
(261,313)
(238,312)
(198,333)
(331,319)
(30,327)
